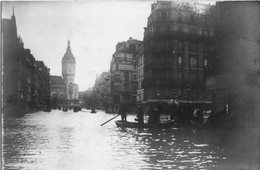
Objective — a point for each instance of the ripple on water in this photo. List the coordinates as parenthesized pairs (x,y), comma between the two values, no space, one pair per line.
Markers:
(59,140)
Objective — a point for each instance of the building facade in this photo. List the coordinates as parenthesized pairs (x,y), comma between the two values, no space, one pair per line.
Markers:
(68,73)
(25,80)
(140,73)
(102,91)
(58,91)
(234,77)
(178,42)
(64,92)
(124,75)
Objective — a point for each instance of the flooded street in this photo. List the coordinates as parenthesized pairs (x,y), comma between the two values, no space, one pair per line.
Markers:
(67,140)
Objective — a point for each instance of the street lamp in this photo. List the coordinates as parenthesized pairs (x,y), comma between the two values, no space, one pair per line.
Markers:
(173,95)
(188,86)
(158,94)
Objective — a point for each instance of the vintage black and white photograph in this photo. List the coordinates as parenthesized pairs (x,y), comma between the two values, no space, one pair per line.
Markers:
(130,85)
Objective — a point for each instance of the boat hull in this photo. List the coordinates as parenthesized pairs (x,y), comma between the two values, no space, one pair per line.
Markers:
(120,123)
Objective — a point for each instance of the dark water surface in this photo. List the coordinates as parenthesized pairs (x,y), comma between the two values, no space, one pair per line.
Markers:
(71,141)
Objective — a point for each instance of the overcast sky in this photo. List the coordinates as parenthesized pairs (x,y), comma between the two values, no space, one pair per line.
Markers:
(93,28)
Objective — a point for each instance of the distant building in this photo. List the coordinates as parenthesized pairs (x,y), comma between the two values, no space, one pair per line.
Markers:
(124,75)
(58,90)
(68,73)
(63,89)
(234,76)
(178,42)
(25,80)
(102,91)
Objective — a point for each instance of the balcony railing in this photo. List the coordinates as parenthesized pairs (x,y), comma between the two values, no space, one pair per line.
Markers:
(179,35)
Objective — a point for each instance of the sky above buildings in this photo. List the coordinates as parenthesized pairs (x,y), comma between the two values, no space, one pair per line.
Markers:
(93,28)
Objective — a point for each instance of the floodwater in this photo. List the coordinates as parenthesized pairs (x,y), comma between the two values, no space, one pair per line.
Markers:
(76,141)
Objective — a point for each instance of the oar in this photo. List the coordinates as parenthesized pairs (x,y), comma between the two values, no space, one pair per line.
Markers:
(109,120)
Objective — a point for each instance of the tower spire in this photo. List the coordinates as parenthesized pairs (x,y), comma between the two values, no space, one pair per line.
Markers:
(68,48)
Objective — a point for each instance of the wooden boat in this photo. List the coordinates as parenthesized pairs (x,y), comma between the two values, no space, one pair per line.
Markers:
(165,124)
(93,111)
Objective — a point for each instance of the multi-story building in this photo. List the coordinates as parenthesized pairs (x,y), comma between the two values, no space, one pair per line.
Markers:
(25,80)
(178,42)
(124,75)
(58,91)
(64,92)
(234,77)
(68,73)
(102,90)
(140,73)
(43,85)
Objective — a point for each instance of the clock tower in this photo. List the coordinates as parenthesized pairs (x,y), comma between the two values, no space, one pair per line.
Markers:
(68,72)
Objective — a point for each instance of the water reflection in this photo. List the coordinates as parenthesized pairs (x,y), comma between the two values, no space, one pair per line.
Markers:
(59,140)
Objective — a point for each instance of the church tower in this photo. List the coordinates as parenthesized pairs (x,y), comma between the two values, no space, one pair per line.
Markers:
(68,72)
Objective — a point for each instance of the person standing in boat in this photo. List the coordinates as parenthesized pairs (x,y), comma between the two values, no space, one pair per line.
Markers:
(122,112)
(157,115)
(140,115)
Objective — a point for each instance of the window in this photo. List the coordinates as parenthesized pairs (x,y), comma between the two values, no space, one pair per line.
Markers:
(174,27)
(205,62)
(180,28)
(199,31)
(163,15)
(179,76)
(186,29)
(193,77)
(192,19)
(126,75)
(193,30)
(167,28)
(193,62)
(211,33)
(179,18)
(117,77)
(180,60)
(134,77)
(205,32)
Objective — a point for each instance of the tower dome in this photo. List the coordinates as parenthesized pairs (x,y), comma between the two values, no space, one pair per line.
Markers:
(68,56)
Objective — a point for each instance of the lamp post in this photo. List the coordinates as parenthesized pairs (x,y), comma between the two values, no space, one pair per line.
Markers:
(188,86)
(158,94)
(173,95)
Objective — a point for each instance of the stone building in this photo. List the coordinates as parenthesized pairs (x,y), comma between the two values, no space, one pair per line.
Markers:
(234,77)
(102,91)
(58,91)
(68,73)
(25,80)
(64,92)
(178,42)
(140,73)
(124,75)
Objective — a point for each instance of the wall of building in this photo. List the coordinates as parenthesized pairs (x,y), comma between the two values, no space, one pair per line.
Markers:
(25,80)
(178,43)
(238,49)
(123,69)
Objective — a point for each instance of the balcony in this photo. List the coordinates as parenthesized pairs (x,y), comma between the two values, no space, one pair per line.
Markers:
(179,35)
(172,83)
